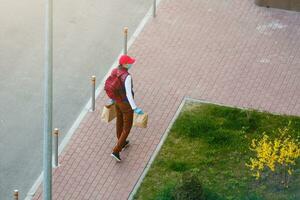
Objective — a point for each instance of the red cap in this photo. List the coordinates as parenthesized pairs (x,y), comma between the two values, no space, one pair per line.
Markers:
(124,59)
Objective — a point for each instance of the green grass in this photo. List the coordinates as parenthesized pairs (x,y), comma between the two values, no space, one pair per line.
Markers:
(212,142)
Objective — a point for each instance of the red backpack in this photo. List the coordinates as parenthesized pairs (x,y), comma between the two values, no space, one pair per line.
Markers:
(114,85)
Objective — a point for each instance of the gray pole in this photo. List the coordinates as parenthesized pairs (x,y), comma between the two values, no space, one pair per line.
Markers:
(93,92)
(47,153)
(154,8)
(125,40)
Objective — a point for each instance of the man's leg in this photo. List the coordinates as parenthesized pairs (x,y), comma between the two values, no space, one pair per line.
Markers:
(127,113)
(119,124)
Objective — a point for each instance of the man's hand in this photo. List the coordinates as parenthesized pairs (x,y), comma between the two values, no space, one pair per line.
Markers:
(138,111)
(110,102)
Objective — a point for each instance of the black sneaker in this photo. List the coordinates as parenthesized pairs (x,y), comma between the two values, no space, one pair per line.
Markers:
(125,145)
(116,156)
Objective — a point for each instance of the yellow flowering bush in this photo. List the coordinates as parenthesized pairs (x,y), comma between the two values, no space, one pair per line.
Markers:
(277,155)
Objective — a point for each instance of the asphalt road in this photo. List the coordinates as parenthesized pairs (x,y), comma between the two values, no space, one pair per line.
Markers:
(87,39)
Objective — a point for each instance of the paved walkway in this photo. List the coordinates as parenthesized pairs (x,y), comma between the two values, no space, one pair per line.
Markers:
(228,52)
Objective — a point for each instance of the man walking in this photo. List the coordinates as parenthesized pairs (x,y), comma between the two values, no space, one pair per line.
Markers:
(119,87)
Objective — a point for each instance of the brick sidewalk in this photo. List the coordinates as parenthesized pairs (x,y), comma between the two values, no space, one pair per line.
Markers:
(228,52)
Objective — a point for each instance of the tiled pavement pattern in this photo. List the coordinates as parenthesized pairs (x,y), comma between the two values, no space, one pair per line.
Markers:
(229,52)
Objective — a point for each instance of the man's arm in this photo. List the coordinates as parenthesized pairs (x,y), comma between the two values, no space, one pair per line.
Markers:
(128,88)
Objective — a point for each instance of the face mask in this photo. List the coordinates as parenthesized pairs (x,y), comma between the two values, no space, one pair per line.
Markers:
(129,66)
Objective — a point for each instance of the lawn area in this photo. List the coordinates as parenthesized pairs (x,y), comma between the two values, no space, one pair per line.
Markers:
(208,148)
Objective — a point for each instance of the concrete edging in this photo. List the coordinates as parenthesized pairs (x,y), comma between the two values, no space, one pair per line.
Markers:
(166,133)
(162,140)
(293,5)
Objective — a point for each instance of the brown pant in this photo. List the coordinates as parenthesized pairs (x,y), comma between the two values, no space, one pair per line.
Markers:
(124,123)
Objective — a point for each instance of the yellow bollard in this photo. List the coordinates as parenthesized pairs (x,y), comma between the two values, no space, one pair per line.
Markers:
(56,132)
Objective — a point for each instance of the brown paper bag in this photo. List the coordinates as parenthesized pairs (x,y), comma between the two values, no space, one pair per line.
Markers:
(108,113)
(140,120)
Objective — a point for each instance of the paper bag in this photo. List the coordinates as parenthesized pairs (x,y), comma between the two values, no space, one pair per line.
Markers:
(140,120)
(108,113)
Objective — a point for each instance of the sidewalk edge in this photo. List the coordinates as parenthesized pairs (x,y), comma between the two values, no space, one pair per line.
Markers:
(159,146)
(166,133)
(162,141)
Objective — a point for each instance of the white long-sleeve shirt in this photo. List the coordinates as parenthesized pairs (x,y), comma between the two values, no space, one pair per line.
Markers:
(128,88)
